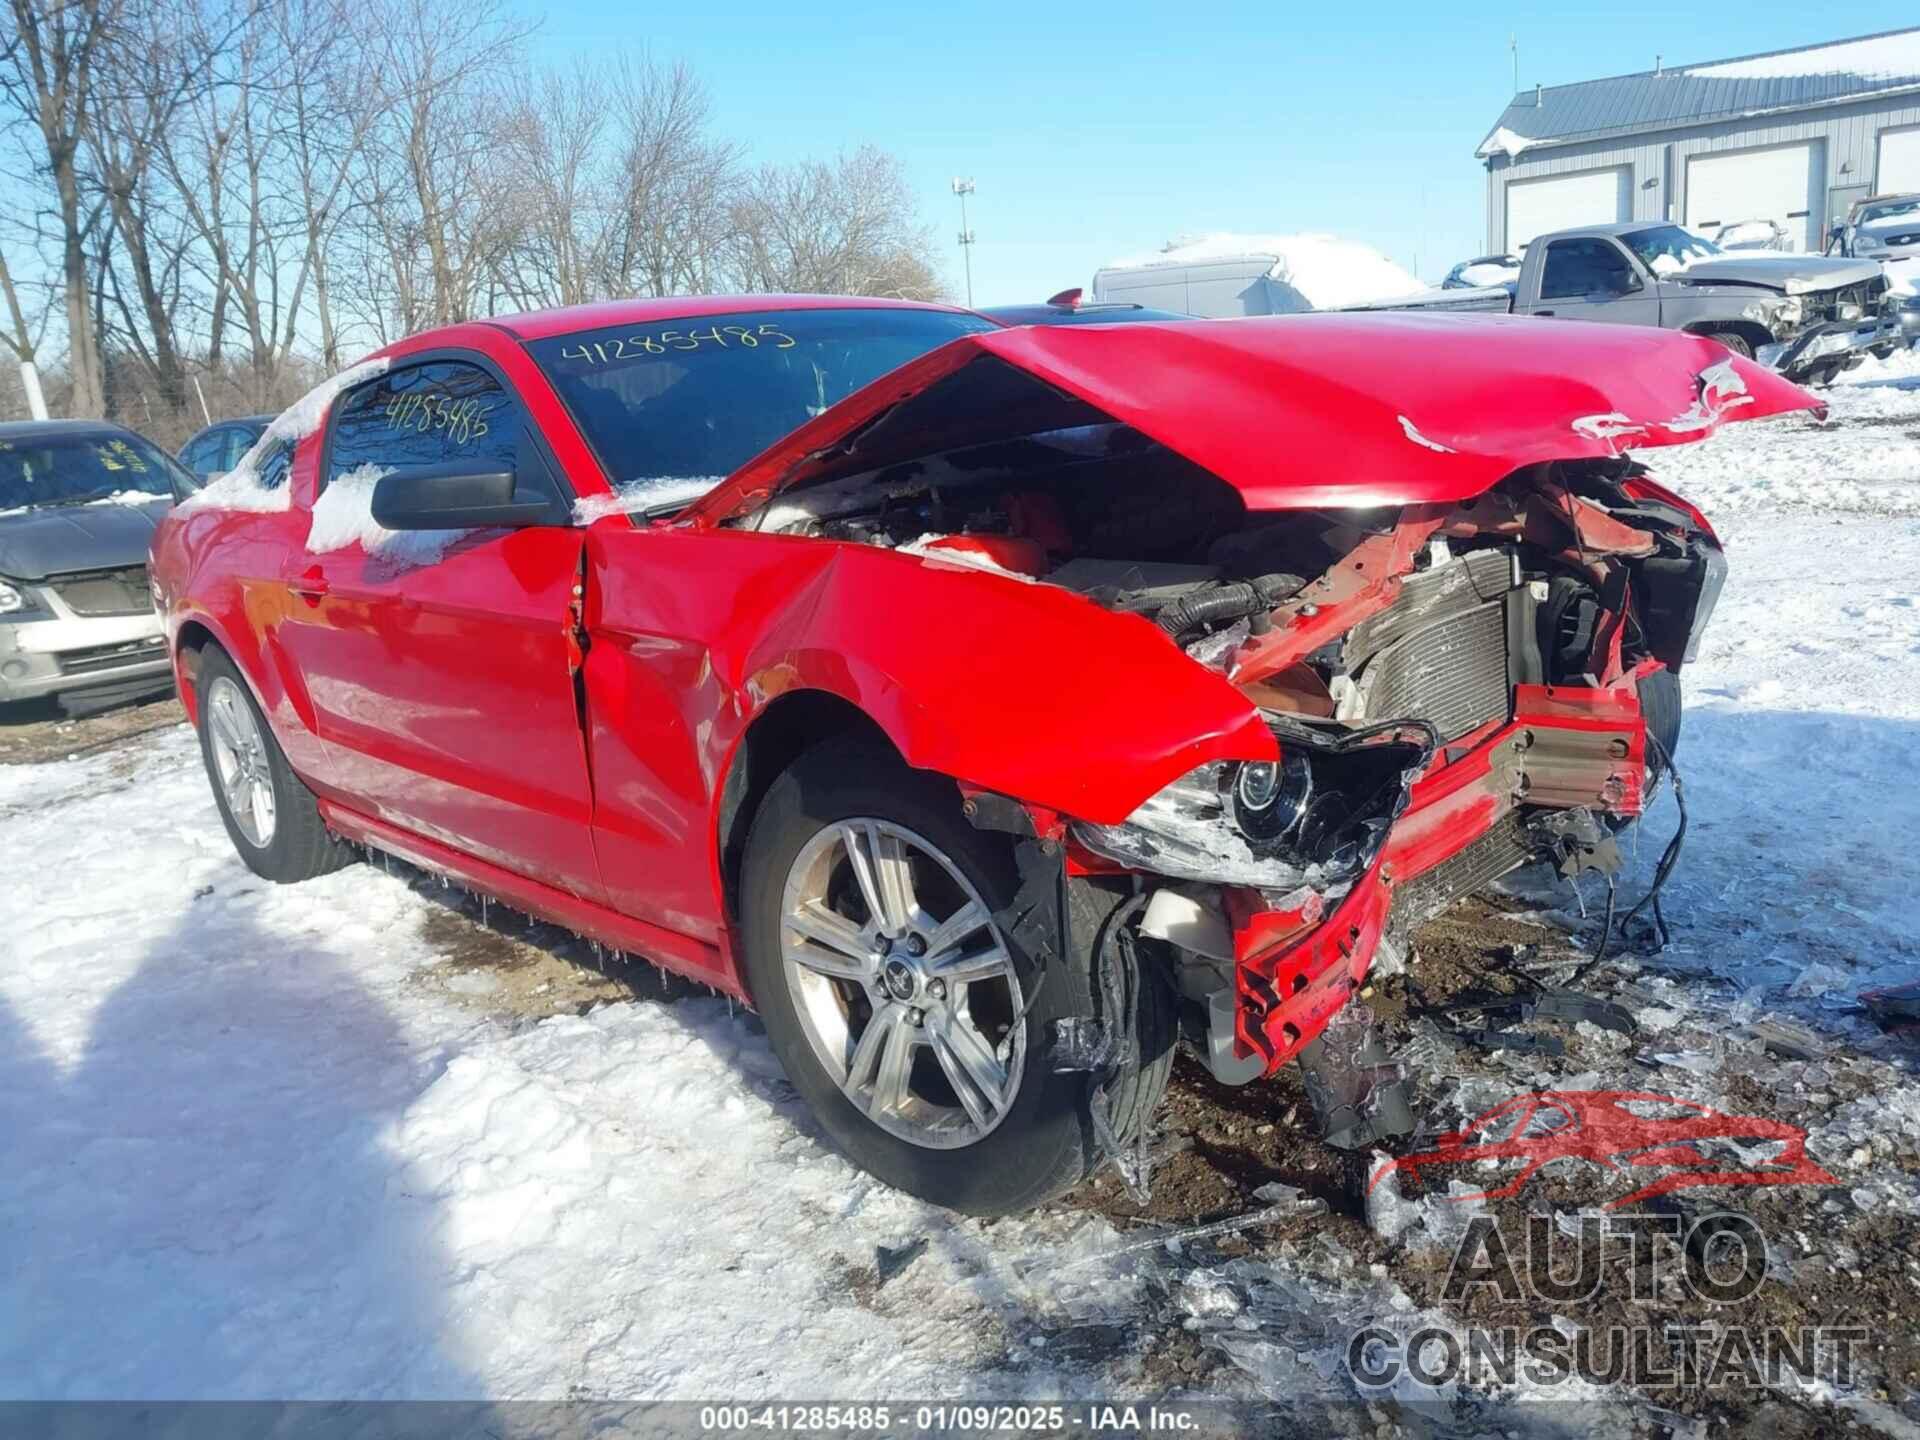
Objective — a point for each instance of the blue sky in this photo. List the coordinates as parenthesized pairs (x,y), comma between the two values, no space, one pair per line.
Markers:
(1095,131)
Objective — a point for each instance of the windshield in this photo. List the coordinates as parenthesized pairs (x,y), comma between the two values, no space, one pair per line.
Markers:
(690,401)
(1890,210)
(82,470)
(1667,249)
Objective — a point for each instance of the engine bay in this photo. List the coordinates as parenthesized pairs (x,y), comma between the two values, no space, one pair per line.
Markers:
(1579,576)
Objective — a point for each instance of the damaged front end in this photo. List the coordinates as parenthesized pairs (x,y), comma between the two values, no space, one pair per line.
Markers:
(1459,671)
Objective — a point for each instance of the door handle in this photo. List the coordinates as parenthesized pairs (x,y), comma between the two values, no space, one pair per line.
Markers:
(311,587)
(1543,312)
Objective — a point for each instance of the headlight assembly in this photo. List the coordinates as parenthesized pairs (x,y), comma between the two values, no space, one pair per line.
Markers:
(1317,817)
(1221,822)
(13,600)
(1790,311)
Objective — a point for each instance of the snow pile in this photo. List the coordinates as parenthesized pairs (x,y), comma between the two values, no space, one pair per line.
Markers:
(343,516)
(1749,235)
(1877,57)
(240,487)
(1326,271)
(1504,141)
(637,497)
(1489,273)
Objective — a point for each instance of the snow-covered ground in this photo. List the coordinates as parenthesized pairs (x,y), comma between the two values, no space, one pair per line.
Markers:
(258,1145)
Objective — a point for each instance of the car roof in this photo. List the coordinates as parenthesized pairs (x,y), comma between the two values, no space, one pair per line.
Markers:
(565,320)
(48,429)
(1610,227)
(257,421)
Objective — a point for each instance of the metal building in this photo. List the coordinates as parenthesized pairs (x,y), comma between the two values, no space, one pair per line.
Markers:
(1792,136)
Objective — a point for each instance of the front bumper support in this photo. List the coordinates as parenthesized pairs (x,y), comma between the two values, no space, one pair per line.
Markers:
(1467,824)
(1837,344)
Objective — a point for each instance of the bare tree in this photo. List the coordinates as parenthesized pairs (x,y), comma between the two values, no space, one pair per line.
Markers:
(431,192)
(843,227)
(563,197)
(677,184)
(22,335)
(221,191)
(48,68)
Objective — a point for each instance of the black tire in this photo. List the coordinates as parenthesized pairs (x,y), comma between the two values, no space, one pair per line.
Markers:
(1660,706)
(1734,341)
(300,846)
(1045,1144)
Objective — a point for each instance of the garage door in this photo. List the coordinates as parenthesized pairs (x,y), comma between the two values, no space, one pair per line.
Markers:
(1899,167)
(1752,185)
(1559,202)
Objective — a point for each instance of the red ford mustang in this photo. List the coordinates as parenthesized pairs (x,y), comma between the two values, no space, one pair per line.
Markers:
(992,709)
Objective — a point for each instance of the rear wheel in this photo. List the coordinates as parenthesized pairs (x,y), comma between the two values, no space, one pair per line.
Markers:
(917,1032)
(271,817)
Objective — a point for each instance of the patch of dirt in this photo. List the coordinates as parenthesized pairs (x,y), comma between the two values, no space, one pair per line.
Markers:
(36,731)
(502,961)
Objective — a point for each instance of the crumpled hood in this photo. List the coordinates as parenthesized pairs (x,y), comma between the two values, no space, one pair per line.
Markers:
(55,539)
(1789,274)
(1294,411)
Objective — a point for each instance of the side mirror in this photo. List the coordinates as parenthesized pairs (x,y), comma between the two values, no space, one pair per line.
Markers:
(1630,282)
(475,496)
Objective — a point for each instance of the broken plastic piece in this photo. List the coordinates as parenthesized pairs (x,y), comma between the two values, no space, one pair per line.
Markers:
(1896,1005)
(1358,1092)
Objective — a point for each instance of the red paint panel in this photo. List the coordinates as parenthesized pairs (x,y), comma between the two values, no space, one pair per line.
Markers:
(444,695)
(1006,687)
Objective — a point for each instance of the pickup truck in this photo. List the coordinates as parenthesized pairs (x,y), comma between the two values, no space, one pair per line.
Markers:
(1807,316)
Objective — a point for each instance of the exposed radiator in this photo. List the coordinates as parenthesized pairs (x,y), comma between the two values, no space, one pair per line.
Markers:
(1504,848)
(1440,653)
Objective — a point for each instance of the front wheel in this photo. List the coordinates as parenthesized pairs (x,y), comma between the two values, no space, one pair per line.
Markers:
(916,1032)
(1734,341)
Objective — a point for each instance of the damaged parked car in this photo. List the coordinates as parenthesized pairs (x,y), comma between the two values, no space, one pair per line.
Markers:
(79,500)
(992,709)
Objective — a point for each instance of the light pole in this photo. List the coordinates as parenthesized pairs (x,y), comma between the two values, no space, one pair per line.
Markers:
(964,188)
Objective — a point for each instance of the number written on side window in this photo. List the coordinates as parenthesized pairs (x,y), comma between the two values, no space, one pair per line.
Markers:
(420,415)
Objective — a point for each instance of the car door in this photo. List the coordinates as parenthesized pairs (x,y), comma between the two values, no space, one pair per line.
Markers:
(439,665)
(1591,278)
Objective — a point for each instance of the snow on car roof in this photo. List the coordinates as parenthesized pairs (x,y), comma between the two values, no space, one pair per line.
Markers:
(1328,270)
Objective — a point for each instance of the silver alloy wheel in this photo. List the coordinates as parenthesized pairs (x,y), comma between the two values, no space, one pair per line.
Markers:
(240,759)
(902,983)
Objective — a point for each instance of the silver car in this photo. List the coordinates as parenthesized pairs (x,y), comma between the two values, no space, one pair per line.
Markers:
(1887,229)
(79,500)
